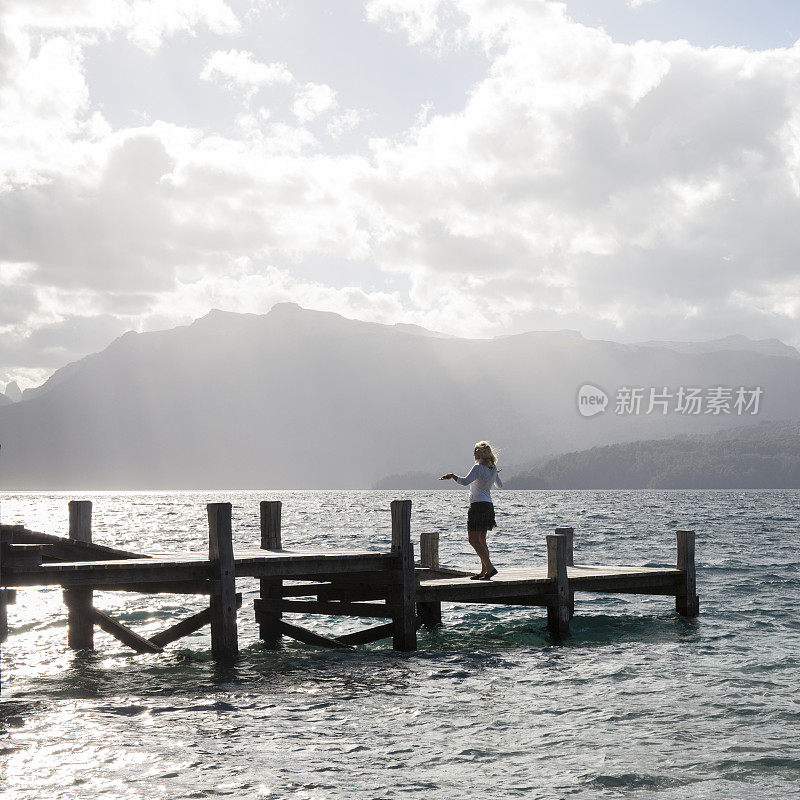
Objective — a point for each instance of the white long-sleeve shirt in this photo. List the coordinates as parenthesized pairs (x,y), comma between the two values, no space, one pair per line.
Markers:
(480,481)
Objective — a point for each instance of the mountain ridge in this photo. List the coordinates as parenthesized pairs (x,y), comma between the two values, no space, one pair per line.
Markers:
(297,398)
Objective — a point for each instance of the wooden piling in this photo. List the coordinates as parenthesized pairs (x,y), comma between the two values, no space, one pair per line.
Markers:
(403,593)
(224,635)
(3,615)
(80,619)
(569,534)
(3,605)
(269,615)
(687,602)
(431,613)
(558,613)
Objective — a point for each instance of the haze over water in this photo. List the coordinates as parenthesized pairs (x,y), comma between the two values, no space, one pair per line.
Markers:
(638,702)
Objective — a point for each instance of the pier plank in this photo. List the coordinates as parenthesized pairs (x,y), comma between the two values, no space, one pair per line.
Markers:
(334,609)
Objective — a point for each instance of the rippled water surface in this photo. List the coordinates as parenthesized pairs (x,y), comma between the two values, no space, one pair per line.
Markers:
(637,702)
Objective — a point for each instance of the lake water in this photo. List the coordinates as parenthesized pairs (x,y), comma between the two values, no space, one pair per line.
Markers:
(637,703)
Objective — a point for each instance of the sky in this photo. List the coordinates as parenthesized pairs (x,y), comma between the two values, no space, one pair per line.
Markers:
(626,168)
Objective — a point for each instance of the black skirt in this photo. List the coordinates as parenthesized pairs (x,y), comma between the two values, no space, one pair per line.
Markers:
(480,517)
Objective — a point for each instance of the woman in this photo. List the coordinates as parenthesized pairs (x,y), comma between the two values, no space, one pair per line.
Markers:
(480,518)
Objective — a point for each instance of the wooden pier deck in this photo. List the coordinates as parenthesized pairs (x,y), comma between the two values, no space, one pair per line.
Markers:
(355,583)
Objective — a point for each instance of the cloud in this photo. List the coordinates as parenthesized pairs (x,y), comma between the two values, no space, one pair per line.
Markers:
(605,181)
(312,100)
(146,23)
(241,69)
(635,191)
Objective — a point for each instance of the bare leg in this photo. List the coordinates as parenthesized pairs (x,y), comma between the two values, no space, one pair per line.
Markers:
(486,559)
(480,548)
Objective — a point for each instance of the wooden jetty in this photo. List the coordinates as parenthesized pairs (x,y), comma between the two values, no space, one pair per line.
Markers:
(372,585)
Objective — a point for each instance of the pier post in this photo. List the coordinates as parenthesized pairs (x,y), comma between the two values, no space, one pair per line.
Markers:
(269,615)
(224,635)
(80,631)
(569,534)
(403,594)
(687,602)
(431,613)
(3,609)
(558,610)
(3,617)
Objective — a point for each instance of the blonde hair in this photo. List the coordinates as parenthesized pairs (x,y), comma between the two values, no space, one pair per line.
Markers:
(486,455)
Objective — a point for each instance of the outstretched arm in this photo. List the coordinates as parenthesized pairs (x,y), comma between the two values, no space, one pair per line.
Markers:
(449,476)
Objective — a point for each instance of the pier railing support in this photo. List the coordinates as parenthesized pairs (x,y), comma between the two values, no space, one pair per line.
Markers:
(403,593)
(269,614)
(224,634)
(687,602)
(430,613)
(558,612)
(80,618)
(569,535)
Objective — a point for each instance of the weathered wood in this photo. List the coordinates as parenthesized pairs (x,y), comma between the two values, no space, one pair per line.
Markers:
(403,593)
(431,612)
(568,534)
(368,635)
(80,632)
(687,602)
(187,626)
(166,587)
(224,633)
(302,590)
(309,637)
(333,609)
(429,549)
(73,550)
(316,566)
(123,633)
(353,593)
(269,628)
(3,615)
(3,605)
(375,567)
(558,613)
(628,583)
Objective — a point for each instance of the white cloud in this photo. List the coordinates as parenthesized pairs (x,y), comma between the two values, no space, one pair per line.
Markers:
(312,100)
(345,122)
(640,191)
(649,177)
(240,68)
(147,23)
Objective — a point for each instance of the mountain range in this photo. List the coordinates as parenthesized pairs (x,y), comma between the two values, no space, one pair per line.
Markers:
(297,398)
